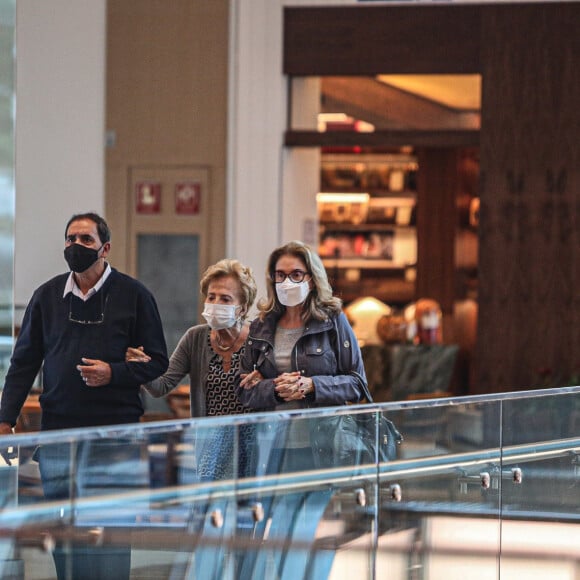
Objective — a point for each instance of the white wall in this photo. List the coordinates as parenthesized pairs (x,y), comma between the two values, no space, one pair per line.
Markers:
(301,167)
(261,181)
(60,105)
(60,89)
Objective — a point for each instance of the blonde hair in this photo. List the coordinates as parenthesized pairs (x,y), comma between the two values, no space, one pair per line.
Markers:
(243,274)
(320,303)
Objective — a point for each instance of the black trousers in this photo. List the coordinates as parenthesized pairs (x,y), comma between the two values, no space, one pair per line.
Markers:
(88,469)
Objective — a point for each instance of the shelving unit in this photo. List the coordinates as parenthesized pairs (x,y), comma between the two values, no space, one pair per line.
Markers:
(379,174)
(367,215)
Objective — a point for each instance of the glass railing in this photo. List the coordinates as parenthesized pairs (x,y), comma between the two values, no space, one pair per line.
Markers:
(481,487)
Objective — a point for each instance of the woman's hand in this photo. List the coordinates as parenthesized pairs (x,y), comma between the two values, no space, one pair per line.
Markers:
(6,429)
(250,380)
(293,386)
(136,355)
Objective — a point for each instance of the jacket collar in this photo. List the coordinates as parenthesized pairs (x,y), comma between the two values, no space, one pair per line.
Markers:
(266,329)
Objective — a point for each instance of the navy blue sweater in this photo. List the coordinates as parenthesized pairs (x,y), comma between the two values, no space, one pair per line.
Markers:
(130,318)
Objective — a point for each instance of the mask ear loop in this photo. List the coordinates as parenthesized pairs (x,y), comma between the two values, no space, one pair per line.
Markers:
(240,319)
(102,246)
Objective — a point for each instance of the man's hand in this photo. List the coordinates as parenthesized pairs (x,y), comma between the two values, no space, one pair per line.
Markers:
(95,373)
(7,453)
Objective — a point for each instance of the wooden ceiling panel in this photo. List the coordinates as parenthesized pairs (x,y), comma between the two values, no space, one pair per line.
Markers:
(430,39)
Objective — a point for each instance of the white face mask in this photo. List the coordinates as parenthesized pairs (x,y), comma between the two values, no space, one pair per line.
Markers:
(220,316)
(292,294)
(430,321)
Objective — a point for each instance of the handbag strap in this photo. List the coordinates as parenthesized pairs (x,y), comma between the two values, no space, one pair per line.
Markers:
(363,386)
(393,431)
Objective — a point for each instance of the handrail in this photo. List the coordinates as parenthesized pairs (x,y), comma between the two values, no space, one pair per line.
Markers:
(176,426)
(463,470)
(164,498)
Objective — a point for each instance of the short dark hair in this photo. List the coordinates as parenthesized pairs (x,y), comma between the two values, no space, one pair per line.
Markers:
(102,226)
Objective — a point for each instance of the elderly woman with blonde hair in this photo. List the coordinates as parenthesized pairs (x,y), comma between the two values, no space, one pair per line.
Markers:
(211,354)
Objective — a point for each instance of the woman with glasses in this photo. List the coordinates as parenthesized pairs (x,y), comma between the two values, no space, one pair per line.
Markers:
(301,350)
(300,353)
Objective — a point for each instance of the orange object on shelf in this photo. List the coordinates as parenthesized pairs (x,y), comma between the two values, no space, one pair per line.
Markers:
(428,318)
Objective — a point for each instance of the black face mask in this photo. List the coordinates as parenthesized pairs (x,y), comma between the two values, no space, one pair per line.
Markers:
(80,258)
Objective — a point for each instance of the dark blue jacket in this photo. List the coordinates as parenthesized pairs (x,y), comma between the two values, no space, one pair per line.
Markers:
(326,352)
(48,338)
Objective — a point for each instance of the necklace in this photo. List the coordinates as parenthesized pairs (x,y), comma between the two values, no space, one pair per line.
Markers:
(221,346)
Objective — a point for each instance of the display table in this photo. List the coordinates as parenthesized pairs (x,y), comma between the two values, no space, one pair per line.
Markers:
(399,372)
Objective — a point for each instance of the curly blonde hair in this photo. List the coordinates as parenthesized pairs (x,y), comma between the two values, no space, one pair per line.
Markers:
(234,268)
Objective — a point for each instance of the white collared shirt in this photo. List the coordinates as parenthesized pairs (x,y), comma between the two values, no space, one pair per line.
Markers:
(71,285)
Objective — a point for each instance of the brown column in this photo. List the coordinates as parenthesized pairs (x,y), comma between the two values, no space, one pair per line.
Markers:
(436,224)
(529,263)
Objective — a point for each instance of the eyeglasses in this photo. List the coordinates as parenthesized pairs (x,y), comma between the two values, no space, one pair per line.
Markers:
(295,276)
(99,319)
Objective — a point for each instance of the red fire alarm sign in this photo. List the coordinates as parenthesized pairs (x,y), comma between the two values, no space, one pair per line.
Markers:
(148,197)
(187,197)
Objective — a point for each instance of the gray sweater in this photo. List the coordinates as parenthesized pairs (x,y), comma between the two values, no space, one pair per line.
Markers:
(191,356)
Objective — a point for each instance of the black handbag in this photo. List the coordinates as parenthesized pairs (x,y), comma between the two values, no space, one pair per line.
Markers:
(351,438)
(375,427)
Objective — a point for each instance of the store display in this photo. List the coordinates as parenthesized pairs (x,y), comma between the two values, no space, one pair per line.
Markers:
(364,314)
(424,322)
(367,218)
(392,329)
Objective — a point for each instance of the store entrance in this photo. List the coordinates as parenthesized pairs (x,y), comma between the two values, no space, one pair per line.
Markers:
(526,248)
(397,170)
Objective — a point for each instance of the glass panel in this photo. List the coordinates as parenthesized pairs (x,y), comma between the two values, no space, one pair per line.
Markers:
(7,20)
(243,497)
(541,469)
(435,511)
(9,567)
(301,505)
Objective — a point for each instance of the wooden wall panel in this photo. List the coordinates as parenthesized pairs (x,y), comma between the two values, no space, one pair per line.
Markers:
(529,240)
(167,78)
(366,40)
(438,182)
